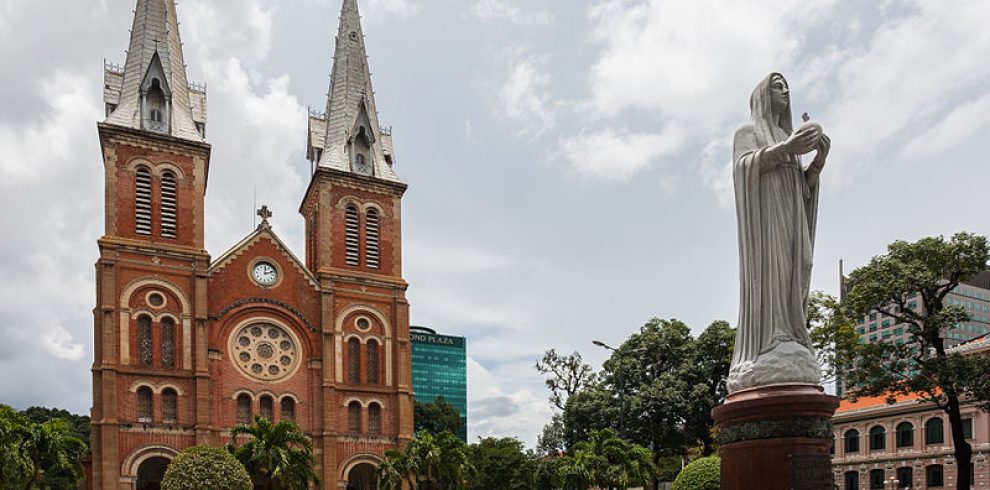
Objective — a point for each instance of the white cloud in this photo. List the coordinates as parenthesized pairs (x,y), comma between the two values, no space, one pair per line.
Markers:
(379,10)
(524,97)
(217,29)
(510,12)
(496,412)
(59,342)
(617,155)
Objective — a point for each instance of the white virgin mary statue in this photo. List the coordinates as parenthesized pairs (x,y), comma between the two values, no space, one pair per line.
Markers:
(776,208)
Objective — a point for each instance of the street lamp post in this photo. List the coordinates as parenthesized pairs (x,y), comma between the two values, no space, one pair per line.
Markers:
(620,385)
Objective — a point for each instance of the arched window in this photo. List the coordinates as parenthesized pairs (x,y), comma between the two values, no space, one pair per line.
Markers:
(142,201)
(851,439)
(852,480)
(351,230)
(170,406)
(354,417)
(934,476)
(905,477)
(243,409)
(168,342)
(353,361)
(144,340)
(933,431)
(155,106)
(168,207)
(374,418)
(144,404)
(288,408)
(267,407)
(878,438)
(372,362)
(905,434)
(876,479)
(371,238)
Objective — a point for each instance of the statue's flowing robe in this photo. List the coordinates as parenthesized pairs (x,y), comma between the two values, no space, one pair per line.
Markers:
(776,208)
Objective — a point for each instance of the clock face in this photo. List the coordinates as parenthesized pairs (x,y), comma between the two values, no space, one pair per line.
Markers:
(265,273)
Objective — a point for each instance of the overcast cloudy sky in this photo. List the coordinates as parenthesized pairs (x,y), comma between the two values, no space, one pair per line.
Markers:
(567,159)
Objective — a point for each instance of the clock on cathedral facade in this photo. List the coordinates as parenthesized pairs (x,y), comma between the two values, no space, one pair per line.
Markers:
(187,345)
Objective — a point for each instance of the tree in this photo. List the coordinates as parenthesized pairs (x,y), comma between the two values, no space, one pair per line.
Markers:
(832,332)
(277,456)
(436,417)
(38,456)
(614,463)
(501,463)
(201,467)
(708,372)
(566,375)
(910,284)
(428,462)
(78,424)
(701,474)
(552,440)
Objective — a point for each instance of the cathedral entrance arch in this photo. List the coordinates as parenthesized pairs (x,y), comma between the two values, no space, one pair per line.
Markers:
(151,472)
(363,476)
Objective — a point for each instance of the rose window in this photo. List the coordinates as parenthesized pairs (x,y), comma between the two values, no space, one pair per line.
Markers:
(264,351)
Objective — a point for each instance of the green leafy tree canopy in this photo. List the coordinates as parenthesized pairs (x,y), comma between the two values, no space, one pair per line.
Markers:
(200,467)
(276,456)
(436,417)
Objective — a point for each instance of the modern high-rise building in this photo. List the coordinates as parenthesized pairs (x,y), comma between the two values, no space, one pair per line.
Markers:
(187,345)
(439,368)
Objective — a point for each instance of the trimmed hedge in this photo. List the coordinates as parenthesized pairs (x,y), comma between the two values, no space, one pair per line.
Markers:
(201,467)
(701,474)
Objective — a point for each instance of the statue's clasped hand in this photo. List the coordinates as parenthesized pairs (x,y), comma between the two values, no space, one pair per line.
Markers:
(804,139)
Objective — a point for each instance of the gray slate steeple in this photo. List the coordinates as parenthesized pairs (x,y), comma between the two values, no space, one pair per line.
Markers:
(350,125)
(150,92)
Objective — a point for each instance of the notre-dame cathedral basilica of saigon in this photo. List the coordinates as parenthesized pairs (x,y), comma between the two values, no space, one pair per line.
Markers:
(188,345)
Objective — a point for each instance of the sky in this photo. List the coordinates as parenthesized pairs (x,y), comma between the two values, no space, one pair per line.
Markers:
(567,160)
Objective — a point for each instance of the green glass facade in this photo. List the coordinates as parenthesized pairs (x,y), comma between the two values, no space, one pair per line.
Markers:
(439,368)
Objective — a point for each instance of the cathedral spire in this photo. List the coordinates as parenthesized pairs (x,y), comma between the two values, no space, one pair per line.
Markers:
(348,136)
(150,92)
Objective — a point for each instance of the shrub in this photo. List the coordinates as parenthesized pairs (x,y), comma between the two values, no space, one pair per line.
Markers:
(701,474)
(206,467)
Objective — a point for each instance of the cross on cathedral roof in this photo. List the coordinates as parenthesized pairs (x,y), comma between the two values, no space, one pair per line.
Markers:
(264,213)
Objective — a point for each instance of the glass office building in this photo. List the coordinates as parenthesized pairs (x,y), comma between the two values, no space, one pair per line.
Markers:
(439,368)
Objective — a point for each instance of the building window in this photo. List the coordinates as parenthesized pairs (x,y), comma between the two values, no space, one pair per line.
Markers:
(144,404)
(142,201)
(353,361)
(852,480)
(267,408)
(878,438)
(876,479)
(168,207)
(288,409)
(374,419)
(371,238)
(354,417)
(905,434)
(243,409)
(168,342)
(144,340)
(851,441)
(170,406)
(933,431)
(933,476)
(967,428)
(351,231)
(372,362)
(905,477)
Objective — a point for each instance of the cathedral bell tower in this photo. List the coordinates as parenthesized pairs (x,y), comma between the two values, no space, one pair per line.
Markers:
(149,372)
(352,211)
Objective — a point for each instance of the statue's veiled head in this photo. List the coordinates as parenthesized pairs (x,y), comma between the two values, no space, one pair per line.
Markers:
(770,106)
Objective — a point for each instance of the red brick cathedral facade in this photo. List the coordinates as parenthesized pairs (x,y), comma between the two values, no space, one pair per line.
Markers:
(187,346)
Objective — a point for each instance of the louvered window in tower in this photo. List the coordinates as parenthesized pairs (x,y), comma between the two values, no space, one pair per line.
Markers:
(374,419)
(371,238)
(372,362)
(351,229)
(168,342)
(142,201)
(144,404)
(354,417)
(353,361)
(170,405)
(144,340)
(169,223)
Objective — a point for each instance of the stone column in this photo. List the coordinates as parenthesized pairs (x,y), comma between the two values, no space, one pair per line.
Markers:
(776,437)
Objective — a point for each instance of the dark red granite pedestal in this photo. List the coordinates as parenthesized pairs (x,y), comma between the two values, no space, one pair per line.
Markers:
(776,438)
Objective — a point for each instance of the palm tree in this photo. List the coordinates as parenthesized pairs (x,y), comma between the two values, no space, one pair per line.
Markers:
(428,462)
(39,456)
(278,456)
(613,462)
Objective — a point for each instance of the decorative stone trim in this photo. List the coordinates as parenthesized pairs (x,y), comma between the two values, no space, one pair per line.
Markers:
(811,427)
(298,314)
